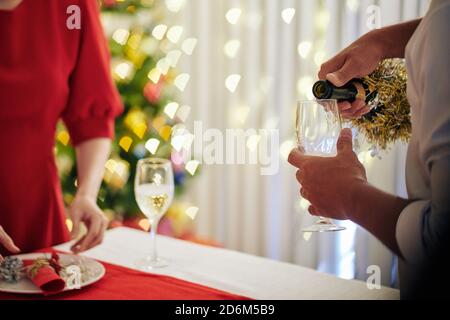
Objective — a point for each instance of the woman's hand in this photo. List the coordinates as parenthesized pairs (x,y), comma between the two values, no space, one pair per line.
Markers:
(7,242)
(85,209)
(330,183)
(91,158)
(356,61)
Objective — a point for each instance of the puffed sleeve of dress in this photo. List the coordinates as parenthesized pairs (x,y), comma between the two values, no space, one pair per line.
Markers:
(93,101)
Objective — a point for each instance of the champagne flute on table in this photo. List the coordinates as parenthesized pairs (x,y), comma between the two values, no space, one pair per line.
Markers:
(318,125)
(153,190)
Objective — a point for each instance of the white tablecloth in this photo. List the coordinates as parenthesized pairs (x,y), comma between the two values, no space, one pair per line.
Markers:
(231,271)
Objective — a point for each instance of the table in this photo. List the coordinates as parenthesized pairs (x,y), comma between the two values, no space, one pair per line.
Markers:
(231,271)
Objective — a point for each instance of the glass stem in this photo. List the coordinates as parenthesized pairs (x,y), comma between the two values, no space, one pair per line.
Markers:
(153,230)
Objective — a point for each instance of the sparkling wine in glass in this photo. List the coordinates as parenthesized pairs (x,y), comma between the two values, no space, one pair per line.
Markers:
(318,125)
(153,189)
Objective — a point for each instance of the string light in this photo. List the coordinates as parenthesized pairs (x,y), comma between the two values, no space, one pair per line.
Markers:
(173,57)
(191,166)
(181,81)
(140,129)
(158,122)
(125,143)
(144,224)
(69,224)
(174,5)
(304,48)
(154,75)
(152,145)
(189,138)
(191,212)
(232,81)
(287,15)
(307,235)
(174,34)
(183,113)
(231,48)
(159,31)
(177,142)
(170,109)
(179,133)
(163,65)
(121,36)
(352,5)
(63,137)
(189,45)
(165,132)
(124,70)
(233,15)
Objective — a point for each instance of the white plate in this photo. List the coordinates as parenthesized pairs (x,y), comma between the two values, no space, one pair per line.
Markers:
(95,269)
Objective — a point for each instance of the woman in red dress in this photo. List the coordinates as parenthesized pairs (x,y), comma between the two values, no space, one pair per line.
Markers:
(48,72)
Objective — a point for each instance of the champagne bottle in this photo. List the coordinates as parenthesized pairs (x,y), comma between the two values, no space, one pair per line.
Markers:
(355,89)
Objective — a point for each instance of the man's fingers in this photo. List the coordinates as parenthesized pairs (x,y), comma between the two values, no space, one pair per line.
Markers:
(312,210)
(362,112)
(343,75)
(331,65)
(357,106)
(344,143)
(344,105)
(304,193)
(7,242)
(299,176)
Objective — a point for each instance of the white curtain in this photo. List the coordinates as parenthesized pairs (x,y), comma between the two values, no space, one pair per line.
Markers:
(277,61)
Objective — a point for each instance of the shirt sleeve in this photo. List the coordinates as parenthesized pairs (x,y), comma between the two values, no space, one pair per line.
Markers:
(94,101)
(423,227)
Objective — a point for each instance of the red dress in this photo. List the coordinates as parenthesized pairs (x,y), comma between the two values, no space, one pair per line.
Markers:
(47,72)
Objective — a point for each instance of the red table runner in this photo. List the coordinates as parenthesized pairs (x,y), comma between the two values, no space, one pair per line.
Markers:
(120,283)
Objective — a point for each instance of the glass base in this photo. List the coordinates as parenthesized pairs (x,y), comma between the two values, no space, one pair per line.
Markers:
(323,226)
(148,264)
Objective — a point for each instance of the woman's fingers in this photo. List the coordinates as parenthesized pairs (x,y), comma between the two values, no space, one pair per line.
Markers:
(99,239)
(75,216)
(7,242)
(94,228)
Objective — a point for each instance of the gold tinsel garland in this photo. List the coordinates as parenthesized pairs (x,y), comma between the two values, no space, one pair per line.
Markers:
(389,119)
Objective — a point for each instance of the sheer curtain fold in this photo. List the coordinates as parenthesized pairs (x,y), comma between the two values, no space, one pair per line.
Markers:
(277,61)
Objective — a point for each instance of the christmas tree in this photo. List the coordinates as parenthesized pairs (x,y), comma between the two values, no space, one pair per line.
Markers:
(144,56)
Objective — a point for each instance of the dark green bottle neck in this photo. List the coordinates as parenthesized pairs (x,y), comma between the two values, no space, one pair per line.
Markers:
(324,89)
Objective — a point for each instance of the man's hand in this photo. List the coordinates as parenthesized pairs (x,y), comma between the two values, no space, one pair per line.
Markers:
(84,209)
(330,183)
(356,61)
(7,242)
